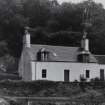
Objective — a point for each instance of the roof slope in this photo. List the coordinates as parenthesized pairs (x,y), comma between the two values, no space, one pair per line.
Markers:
(58,53)
(100,59)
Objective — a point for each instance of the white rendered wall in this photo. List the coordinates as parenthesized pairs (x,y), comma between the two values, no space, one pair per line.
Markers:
(25,66)
(101,66)
(55,70)
(33,70)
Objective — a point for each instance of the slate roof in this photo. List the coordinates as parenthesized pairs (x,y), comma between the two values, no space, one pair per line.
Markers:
(100,59)
(58,53)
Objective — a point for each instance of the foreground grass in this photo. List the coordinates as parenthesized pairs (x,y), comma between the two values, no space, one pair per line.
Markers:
(75,90)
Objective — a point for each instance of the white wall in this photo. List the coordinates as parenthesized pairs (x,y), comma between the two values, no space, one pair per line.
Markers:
(55,70)
(33,70)
(25,66)
(101,66)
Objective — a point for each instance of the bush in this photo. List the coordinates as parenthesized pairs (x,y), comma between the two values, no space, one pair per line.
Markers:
(97,83)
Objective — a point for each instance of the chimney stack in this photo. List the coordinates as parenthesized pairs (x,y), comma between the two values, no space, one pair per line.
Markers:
(26,38)
(85,42)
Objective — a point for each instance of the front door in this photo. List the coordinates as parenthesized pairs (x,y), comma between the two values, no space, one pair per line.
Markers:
(66,75)
(101,74)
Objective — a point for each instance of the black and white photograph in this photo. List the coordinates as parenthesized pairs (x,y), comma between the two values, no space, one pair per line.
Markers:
(52,52)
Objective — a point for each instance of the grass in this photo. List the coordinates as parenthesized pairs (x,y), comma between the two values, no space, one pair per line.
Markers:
(74,90)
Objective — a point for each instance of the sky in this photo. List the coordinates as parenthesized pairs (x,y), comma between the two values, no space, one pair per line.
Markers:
(76,1)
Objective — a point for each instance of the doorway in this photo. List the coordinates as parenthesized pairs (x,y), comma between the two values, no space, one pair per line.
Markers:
(101,74)
(66,75)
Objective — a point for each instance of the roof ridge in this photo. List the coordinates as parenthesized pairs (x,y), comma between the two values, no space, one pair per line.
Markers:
(54,45)
(99,55)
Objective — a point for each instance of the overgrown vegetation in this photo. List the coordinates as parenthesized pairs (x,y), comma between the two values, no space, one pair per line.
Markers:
(94,91)
(50,88)
(52,23)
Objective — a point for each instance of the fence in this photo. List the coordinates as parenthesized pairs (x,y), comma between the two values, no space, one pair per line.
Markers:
(54,101)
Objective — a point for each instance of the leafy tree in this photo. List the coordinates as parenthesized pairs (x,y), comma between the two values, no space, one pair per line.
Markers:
(52,23)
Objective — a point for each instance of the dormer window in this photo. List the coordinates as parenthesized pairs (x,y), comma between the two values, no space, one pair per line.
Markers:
(43,55)
(84,57)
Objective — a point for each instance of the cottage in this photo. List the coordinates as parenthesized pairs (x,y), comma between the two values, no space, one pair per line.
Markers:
(58,63)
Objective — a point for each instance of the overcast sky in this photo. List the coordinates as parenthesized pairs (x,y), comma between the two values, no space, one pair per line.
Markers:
(76,1)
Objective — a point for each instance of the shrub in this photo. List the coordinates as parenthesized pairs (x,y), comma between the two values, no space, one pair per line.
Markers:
(82,82)
(97,83)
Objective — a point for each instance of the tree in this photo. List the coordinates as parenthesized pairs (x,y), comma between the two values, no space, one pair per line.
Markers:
(62,23)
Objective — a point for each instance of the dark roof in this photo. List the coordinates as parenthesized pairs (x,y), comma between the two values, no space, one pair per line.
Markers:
(58,53)
(100,59)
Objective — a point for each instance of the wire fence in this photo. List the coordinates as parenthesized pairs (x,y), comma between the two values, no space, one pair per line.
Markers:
(55,101)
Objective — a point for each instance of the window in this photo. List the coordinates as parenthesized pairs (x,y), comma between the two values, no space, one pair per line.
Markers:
(39,56)
(44,71)
(87,73)
(43,55)
(83,58)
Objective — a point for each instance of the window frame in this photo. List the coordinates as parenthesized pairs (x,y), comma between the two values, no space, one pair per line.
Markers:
(87,73)
(44,73)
